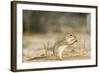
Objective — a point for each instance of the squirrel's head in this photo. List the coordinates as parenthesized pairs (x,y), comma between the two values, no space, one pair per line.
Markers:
(70,39)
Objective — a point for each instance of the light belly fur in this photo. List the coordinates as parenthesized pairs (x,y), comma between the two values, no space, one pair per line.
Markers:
(61,49)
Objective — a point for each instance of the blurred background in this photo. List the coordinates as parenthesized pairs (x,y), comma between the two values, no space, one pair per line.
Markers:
(47,21)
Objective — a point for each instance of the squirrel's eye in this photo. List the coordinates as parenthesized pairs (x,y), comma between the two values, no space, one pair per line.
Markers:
(70,34)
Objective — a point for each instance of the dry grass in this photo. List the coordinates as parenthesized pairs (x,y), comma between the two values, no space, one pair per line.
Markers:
(39,48)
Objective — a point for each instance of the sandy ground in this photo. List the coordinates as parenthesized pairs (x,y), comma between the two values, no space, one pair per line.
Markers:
(34,48)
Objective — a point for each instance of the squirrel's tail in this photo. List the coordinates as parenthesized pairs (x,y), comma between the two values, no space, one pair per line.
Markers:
(41,57)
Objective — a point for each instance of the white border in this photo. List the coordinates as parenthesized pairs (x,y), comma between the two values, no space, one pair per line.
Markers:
(21,65)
